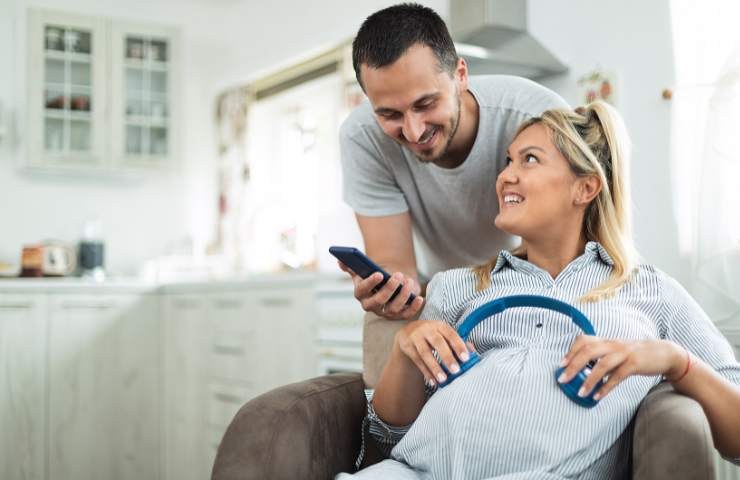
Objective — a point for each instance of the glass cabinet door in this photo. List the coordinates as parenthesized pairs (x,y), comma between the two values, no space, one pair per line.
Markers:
(143,116)
(65,89)
(146,97)
(68,90)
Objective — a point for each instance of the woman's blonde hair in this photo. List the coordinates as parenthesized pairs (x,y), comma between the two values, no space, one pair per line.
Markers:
(594,141)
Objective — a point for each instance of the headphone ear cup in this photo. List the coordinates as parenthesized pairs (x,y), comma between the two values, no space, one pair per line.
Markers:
(464,367)
(572,387)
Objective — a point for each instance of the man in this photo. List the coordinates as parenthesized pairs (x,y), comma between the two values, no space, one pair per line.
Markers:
(422,156)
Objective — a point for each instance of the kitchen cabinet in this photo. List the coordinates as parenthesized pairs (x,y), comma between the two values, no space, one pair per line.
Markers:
(144,113)
(102,94)
(104,386)
(184,317)
(131,381)
(66,90)
(222,349)
(22,386)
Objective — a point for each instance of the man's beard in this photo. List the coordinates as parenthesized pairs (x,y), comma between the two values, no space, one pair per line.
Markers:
(454,123)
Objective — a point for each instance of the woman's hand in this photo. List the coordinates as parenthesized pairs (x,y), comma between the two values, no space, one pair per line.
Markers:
(420,338)
(618,360)
(379,301)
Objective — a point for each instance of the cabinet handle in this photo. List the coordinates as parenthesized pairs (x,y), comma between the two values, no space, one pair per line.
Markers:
(228,398)
(228,304)
(277,302)
(87,306)
(16,306)
(226,350)
(186,303)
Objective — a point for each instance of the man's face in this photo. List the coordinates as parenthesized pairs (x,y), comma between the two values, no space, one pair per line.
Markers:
(415,103)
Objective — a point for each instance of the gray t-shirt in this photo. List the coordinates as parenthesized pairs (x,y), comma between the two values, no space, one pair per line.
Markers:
(452,210)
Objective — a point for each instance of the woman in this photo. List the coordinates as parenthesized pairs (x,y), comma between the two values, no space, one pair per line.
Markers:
(565,192)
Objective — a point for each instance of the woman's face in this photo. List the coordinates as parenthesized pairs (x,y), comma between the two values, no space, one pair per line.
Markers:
(539,195)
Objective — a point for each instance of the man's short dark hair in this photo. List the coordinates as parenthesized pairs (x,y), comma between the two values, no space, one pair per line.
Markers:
(386,35)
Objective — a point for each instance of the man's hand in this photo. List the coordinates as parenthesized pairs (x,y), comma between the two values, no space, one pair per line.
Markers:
(379,301)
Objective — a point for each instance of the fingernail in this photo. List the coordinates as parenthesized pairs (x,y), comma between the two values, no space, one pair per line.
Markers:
(429,382)
(464,356)
(582,392)
(564,362)
(454,368)
(597,396)
(441,377)
(562,377)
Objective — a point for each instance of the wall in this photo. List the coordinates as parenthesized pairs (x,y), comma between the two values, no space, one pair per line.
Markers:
(227,42)
(224,43)
(632,38)
(140,218)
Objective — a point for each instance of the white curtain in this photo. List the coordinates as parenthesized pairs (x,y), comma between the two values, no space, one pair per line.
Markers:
(706,148)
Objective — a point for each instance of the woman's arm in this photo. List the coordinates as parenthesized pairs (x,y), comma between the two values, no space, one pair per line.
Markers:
(399,395)
(720,400)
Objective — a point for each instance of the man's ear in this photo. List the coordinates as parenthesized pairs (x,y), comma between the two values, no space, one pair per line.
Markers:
(588,188)
(461,74)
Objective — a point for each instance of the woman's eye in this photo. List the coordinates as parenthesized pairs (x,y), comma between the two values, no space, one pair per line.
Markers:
(531,159)
(508,161)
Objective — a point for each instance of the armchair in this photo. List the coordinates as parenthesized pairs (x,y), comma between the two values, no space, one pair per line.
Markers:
(311,430)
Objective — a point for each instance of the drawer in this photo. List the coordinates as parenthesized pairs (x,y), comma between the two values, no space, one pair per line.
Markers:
(232,312)
(233,355)
(224,400)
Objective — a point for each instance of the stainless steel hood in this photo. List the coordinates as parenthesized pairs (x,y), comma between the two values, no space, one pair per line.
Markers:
(492,37)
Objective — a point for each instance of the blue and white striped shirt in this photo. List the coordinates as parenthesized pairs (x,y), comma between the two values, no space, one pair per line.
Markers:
(506,417)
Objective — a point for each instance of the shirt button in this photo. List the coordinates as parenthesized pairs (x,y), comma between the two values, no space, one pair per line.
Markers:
(538,325)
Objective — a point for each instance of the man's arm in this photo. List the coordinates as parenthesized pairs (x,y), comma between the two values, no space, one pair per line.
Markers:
(388,242)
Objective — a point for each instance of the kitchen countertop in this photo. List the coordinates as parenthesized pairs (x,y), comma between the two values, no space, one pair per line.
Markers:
(321,281)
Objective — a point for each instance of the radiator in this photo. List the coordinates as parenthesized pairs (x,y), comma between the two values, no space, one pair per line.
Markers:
(725,470)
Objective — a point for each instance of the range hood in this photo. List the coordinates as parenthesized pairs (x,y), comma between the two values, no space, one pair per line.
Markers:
(492,37)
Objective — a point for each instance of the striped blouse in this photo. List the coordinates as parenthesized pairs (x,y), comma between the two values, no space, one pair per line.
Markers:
(506,417)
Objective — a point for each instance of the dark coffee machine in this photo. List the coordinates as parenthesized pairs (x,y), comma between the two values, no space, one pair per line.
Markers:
(92,252)
(92,258)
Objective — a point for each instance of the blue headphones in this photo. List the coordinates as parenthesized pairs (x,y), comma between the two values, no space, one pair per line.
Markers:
(499,305)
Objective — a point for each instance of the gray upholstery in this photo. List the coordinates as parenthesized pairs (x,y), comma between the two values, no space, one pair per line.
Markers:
(311,430)
(671,438)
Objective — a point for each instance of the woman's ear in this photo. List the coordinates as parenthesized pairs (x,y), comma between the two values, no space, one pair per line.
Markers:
(588,188)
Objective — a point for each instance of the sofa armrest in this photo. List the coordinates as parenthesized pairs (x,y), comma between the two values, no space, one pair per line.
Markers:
(309,429)
(671,438)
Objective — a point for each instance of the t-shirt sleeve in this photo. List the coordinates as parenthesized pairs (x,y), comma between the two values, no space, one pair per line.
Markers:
(689,326)
(369,186)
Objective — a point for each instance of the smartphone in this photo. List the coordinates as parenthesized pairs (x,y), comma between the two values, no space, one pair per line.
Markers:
(359,263)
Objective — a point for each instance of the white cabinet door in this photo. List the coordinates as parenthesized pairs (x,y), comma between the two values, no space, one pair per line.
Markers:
(66,90)
(104,384)
(22,386)
(287,332)
(185,340)
(144,114)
